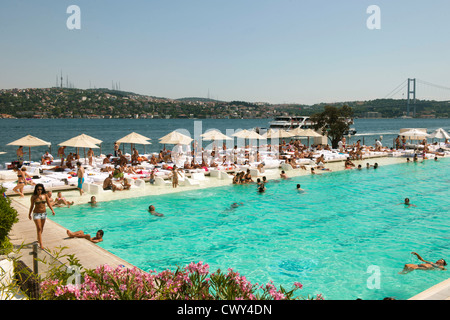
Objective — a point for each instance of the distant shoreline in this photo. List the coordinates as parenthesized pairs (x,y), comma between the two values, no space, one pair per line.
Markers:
(437,118)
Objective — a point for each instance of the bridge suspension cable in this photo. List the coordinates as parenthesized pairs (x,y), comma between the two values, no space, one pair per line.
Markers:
(433,85)
(400,87)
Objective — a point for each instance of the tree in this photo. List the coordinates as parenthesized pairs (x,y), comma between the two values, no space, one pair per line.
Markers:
(333,122)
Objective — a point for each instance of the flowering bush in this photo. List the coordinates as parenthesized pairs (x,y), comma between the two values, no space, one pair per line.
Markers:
(193,282)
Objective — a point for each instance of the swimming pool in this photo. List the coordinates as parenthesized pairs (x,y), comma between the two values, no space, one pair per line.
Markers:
(326,238)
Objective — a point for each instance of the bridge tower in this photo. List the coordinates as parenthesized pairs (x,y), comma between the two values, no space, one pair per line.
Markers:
(411,93)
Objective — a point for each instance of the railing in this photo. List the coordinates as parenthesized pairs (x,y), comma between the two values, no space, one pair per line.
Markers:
(40,260)
(30,263)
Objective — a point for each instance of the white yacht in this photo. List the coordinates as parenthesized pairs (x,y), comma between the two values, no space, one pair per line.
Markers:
(288,122)
(291,122)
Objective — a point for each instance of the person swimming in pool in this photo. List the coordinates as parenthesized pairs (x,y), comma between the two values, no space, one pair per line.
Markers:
(151,209)
(261,188)
(93,201)
(299,189)
(235,205)
(438,265)
(407,203)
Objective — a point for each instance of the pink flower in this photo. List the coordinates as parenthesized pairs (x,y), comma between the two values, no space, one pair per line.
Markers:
(298,285)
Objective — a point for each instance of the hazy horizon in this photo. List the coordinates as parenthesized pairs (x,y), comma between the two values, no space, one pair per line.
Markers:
(278,52)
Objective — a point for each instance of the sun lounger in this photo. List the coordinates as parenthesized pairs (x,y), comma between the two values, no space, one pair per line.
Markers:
(255,173)
(226,176)
(214,173)
(191,182)
(286,167)
(97,189)
(8,175)
(32,171)
(159,181)
(139,183)
(199,176)
(86,187)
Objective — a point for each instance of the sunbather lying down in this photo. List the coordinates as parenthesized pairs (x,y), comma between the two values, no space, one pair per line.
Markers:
(80,234)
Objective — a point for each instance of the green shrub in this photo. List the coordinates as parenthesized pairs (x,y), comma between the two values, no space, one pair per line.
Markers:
(8,216)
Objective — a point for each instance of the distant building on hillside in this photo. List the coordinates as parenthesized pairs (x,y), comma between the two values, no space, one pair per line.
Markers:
(372,114)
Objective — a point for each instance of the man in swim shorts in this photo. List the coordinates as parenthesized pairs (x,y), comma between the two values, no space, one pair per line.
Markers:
(80,175)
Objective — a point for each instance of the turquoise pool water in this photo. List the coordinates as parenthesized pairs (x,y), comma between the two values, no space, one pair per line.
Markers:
(326,238)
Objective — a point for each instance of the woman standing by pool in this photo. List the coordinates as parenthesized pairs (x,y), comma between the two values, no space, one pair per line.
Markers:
(174,176)
(38,201)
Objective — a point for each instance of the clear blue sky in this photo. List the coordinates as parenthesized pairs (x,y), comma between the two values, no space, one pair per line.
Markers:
(276,51)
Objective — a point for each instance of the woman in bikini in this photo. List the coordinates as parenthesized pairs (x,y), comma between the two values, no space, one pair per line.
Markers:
(21,181)
(60,201)
(38,201)
(438,265)
(174,176)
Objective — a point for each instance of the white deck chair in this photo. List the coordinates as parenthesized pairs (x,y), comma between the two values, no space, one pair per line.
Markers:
(139,183)
(286,167)
(199,176)
(191,182)
(226,176)
(161,182)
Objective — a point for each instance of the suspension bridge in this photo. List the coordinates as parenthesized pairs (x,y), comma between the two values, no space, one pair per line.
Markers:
(427,90)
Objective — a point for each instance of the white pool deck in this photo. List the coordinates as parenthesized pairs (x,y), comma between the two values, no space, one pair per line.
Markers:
(91,255)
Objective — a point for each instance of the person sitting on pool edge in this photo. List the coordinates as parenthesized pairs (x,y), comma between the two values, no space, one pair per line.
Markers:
(151,209)
(80,234)
(440,264)
(61,201)
(109,185)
